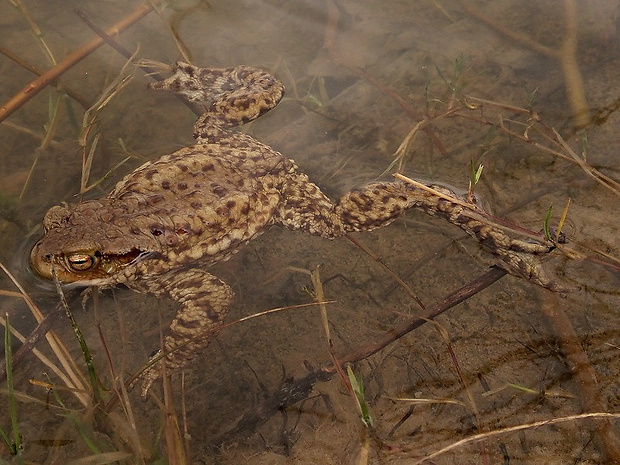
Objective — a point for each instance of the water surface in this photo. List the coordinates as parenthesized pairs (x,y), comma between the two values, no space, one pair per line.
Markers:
(359,77)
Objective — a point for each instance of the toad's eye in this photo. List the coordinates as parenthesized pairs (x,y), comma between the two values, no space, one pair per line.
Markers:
(81,261)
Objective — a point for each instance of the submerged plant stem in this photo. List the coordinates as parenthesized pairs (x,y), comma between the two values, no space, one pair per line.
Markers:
(297,390)
(566,55)
(608,440)
(8,358)
(54,73)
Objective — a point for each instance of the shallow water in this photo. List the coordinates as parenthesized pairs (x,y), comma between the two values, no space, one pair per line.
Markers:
(359,77)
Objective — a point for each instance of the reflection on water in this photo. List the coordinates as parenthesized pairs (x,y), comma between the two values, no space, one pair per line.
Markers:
(359,77)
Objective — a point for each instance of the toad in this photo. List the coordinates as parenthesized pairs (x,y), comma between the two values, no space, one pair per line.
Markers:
(165,223)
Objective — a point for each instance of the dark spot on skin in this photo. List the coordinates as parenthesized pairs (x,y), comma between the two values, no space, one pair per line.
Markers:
(208,167)
(193,194)
(213,315)
(149,174)
(444,205)
(165,185)
(218,190)
(244,104)
(196,205)
(476,228)
(156,230)
(396,210)
(182,186)
(154,199)
(183,168)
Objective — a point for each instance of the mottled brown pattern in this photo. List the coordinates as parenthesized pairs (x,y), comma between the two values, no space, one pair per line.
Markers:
(171,217)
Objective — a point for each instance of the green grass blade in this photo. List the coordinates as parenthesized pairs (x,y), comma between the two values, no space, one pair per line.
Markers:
(358,390)
(16,446)
(546,228)
(88,358)
(6,439)
(85,433)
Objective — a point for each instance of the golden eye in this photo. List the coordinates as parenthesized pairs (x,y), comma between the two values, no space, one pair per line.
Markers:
(81,261)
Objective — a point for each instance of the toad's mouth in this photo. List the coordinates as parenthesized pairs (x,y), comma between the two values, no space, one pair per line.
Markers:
(83,267)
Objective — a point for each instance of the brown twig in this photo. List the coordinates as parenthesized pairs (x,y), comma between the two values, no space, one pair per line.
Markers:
(35,336)
(54,73)
(34,70)
(535,125)
(294,391)
(151,71)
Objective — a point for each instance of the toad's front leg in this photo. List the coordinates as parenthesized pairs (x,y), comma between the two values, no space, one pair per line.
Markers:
(204,301)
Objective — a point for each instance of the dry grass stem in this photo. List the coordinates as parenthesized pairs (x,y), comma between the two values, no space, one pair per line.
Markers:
(80,392)
(38,72)
(72,376)
(599,177)
(536,126)
(471,401)
(35,29)
(511,429)
(387,269)
(320,300)
(409,400)
(54,73)
(296,390)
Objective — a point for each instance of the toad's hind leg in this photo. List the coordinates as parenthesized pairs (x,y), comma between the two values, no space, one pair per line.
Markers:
(229,96)
(204,301)
(372,206)
(377,204)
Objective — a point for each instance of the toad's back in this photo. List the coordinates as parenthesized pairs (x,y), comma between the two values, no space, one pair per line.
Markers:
(205,199)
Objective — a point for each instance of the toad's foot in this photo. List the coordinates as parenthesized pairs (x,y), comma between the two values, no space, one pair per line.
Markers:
(229,96)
